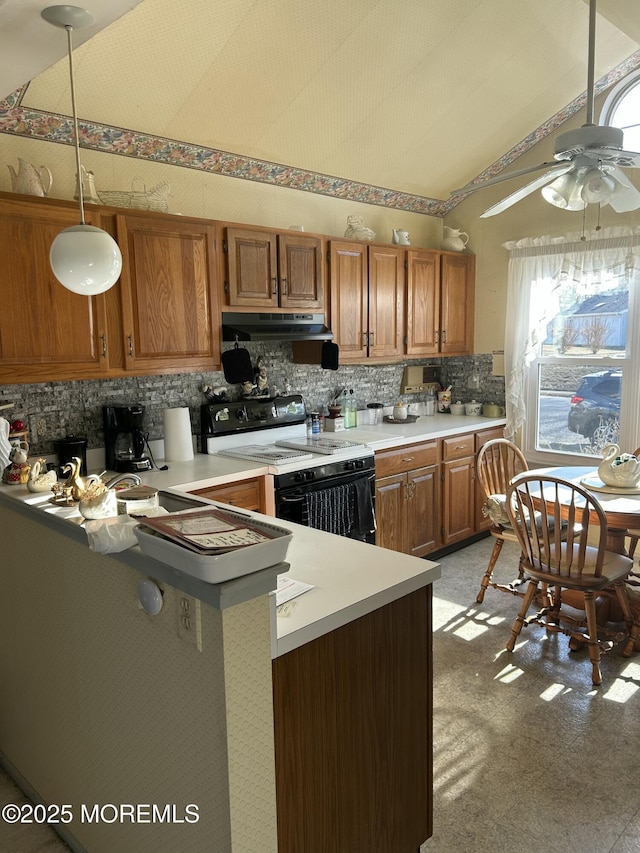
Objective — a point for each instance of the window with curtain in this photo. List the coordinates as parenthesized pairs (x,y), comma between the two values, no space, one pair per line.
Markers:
(572,358)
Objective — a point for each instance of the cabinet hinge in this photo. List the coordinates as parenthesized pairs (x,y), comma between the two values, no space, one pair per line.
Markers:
(406,264)
(225,248)
(328,256)
(226,287)
(405,341)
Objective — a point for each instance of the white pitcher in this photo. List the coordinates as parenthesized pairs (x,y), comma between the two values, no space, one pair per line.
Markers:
(401,237)
(30,181)
(454,239)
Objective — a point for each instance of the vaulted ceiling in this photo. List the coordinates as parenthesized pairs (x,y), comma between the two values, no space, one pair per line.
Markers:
(414,96)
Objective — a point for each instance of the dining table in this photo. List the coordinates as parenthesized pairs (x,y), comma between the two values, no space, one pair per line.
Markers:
(621,506)
(622,511)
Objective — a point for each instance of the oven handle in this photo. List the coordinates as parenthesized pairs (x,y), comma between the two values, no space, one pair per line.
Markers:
(285,500)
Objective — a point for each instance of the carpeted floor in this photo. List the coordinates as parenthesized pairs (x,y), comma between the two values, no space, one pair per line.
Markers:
(527,754)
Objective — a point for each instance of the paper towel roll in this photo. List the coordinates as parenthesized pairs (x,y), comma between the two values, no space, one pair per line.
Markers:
(178,443)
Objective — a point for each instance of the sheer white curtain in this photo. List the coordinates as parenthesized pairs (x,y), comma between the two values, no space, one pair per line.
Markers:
(537,265)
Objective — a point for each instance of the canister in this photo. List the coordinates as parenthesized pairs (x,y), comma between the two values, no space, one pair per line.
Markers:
(375,413)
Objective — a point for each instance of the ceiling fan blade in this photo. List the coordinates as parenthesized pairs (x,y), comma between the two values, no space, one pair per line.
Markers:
(471,188)
(523,192)
(625,196)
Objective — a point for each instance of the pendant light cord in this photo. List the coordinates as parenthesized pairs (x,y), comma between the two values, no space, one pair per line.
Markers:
(76,132)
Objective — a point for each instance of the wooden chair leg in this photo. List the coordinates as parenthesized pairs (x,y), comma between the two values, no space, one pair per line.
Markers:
(486,578)
(526,603)
(632,624)
(592,629)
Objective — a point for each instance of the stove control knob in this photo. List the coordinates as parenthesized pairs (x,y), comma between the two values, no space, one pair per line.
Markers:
(309,475)
(350,465)
(298,476)
(359,463)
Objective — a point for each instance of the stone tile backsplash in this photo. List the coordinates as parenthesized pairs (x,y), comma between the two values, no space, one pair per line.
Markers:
(52,410)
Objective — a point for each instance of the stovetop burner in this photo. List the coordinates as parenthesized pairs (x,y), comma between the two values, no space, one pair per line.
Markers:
(320,444)
(266,453)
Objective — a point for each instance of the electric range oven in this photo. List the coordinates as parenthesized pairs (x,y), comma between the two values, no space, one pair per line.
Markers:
(320,481)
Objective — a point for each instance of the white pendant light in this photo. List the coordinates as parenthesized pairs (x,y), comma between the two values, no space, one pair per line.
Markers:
(83,258)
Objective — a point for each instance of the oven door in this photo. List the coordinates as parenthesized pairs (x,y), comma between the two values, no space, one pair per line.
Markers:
(343,504)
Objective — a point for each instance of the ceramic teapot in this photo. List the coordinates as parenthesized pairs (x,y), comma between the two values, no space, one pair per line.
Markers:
(618,469)
(30,181)
(454,239)
(17,472)
(400,237)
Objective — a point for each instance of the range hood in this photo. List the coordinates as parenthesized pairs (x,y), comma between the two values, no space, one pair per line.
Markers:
(274,327)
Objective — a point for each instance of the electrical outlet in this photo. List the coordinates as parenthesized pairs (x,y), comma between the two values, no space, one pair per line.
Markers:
(189,620)
(41,426)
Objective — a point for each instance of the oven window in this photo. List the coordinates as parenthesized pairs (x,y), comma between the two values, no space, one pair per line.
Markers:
(343,505)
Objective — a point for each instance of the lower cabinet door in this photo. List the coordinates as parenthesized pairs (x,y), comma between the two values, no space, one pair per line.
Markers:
(423,534)
(391,511)
(458,505)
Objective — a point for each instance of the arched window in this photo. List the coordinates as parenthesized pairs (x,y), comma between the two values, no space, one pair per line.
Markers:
(622,109)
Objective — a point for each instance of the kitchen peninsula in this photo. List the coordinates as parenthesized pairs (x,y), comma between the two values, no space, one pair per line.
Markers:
(104,704)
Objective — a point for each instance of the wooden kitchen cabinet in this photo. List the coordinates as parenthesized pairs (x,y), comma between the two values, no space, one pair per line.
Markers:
(458,488)
(170,313)
(46,331)
(440,303)
(407,498)
(270,269)
(245,494)
(367,294)
(427,494)
(353,733)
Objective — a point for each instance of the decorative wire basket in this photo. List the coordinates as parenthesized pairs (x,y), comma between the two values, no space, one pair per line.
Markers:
(157,198)
(356,228)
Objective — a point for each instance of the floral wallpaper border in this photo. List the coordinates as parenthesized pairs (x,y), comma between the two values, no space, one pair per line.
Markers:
(53,127)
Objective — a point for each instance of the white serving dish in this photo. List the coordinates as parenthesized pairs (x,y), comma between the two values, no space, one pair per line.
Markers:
(217,568)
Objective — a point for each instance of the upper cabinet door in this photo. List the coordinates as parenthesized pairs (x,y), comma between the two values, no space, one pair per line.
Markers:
(169,305)
(386,302)
(457,304)
(46,331)
(423,302)
(252,268)
(349,299)
(300,271)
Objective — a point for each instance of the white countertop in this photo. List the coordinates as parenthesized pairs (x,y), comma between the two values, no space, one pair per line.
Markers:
(350,578)
(212,470)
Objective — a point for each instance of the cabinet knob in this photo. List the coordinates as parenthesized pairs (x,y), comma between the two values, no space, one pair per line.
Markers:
(274,282)
(284,286)
(103,338)
(408,459)
(130,339)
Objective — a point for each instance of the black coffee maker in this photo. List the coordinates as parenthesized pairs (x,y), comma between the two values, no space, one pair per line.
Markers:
(124,439)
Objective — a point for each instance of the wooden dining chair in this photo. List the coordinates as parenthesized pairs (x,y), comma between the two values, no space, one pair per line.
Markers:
(556,551)
(497,463)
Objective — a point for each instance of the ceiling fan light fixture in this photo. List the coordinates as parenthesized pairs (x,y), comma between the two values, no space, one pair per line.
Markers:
(83,258)
(597,187)
(561,192)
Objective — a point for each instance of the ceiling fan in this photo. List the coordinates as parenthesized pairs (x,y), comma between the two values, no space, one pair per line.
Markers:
(589,163)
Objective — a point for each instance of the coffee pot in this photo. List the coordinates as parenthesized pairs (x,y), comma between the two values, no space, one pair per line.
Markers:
(30,181)
(454,240)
